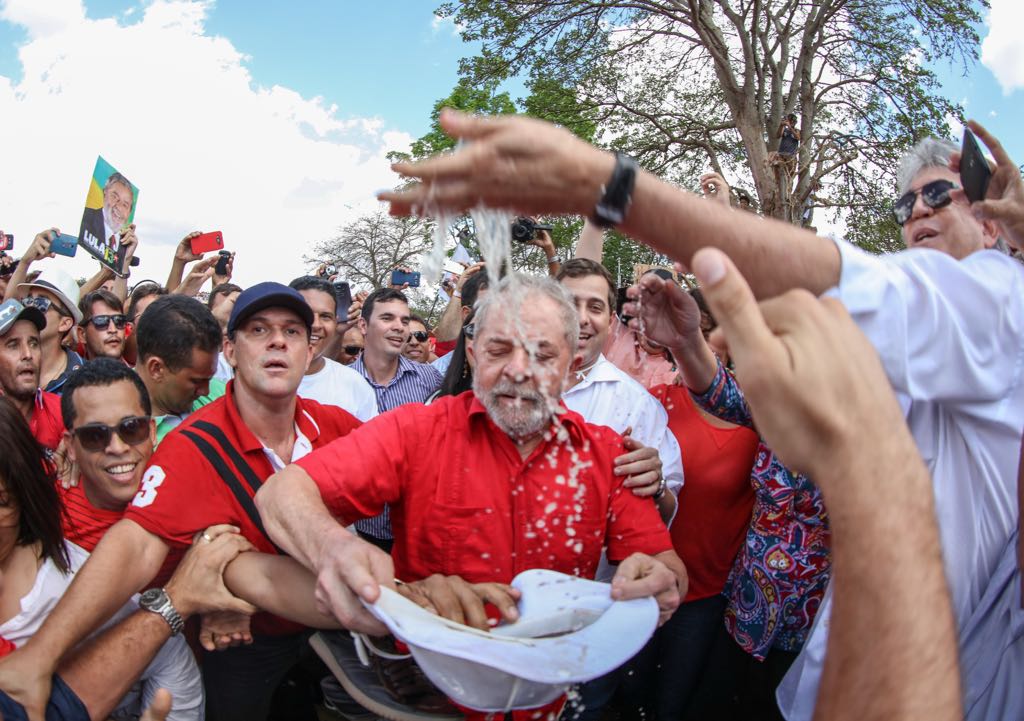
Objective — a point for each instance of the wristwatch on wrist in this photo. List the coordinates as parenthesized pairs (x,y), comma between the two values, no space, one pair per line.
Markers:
(157,601)
(662,487)
(617,193)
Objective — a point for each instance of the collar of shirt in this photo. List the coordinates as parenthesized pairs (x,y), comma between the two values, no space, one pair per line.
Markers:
(404,366)
(305,427)
(602,372)
(302,446)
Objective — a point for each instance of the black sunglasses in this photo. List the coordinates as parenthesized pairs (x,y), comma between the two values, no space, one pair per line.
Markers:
(95,437)
(100,322)
(934,194)
(43,304)
(420,336)
(352,349)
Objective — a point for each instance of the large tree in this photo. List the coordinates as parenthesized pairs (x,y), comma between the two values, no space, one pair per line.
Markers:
(691,85)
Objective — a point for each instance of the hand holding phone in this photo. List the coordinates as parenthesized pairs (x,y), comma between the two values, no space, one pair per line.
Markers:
(975,172)
(401,277)
(343,295)
(206,242)
(6,241)
(64,244)
(222,263)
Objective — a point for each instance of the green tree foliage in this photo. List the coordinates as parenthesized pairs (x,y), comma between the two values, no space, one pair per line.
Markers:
(690,86)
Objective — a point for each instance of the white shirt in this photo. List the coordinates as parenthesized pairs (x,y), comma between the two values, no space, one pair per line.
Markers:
(173,667)
(338,385)
(609,397)
(951,338)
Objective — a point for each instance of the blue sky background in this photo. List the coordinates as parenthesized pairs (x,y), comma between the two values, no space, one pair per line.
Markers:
(390,60)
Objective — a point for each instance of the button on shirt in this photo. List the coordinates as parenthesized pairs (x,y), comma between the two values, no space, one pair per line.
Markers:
(951,338)
(413,383)
(465,502)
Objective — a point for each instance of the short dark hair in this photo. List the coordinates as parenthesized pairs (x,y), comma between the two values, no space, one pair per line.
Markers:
(177,325)
(99,372)
(414,318)
(583,267)
(381,295)
(472,287)
(29,484)
(143,290)
(312,282)
(222,289)
(85,305)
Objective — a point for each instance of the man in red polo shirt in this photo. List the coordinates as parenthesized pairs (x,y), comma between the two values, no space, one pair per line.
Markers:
(20,359)
(205,472)
(483,485)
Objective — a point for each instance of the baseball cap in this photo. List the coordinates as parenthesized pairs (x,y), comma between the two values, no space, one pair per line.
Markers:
(13,310)
(269,295)
(569,631)
(61,285)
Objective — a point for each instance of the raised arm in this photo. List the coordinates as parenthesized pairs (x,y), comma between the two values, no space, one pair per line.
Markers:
(537,168)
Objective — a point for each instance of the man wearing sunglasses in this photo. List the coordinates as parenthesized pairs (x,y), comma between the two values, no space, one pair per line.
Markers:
(20,326)
(104,325)
(419,344)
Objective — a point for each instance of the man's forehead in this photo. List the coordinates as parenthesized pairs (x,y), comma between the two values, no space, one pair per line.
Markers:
(274,315)
(109,403)
(316,297)
(931,173)
(21,329)
(101,307)
(392,307)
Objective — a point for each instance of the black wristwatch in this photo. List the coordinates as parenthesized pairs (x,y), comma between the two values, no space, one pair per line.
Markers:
(157,601)
(617,194)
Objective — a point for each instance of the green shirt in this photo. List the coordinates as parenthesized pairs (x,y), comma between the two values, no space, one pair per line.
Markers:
(166,424)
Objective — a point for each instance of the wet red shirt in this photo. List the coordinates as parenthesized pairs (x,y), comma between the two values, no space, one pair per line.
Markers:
(464,502)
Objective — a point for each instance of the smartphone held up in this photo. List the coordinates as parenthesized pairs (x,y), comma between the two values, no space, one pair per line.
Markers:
(975,172)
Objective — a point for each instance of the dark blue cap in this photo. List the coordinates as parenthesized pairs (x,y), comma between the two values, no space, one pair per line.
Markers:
(269,295)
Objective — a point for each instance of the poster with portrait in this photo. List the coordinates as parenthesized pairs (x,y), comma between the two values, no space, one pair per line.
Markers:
(109,209)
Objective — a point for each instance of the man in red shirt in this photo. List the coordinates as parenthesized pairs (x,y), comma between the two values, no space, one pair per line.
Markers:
(205,472)
(20,361)
(483,485)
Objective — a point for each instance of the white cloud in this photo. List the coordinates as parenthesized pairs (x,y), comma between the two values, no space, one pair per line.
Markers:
(177,111)
(438,23)
(1001,50)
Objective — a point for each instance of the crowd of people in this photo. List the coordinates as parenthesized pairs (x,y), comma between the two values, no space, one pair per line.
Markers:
(808,458)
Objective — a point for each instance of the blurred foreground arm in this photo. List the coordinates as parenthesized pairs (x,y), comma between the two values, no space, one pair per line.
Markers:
(820,398)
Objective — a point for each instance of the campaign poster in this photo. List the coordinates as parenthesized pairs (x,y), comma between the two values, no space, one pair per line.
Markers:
(109,208)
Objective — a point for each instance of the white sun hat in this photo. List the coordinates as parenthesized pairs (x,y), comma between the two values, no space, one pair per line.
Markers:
(569,631)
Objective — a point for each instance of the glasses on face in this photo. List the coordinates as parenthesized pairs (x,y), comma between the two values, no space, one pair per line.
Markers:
(934,194)
(43,304)
(419,335)
(100,322)
(352,349)
(95,437)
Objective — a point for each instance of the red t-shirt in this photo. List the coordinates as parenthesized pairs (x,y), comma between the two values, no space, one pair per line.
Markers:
(47,424)
(444,347)
(85,524)
(464,502)
(716,501)
(185,490)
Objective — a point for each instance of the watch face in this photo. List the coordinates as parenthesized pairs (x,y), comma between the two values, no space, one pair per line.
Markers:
(151,597)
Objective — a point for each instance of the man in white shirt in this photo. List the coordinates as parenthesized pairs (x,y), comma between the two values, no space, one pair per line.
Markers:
(607,396)
(949,328)
(327,381)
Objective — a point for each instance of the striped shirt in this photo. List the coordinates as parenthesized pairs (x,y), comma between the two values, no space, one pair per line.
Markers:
(413,383)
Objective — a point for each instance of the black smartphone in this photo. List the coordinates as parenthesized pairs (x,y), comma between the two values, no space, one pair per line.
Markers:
(222,262)
(399,277)
(343,294)
(975,172)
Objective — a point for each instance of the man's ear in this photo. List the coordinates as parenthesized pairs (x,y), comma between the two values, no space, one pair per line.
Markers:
(228,351)
(362,325)
(69,447)
(990,228)
(65,325)
(576,363)
(80,336)
(155,368)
